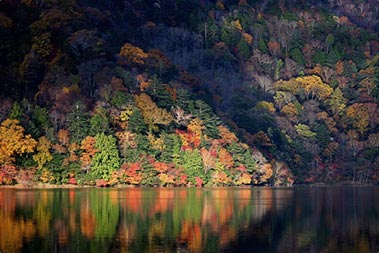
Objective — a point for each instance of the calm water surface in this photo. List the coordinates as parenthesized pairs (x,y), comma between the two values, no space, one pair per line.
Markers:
(314,219)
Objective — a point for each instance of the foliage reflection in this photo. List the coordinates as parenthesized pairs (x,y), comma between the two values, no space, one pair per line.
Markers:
(188,220)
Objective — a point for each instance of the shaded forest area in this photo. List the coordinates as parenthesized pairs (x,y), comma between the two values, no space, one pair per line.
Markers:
(189,92)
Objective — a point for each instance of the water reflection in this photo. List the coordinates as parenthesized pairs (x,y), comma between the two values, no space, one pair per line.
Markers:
(190,220)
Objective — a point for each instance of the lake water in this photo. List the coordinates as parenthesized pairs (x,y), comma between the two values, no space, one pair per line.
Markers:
(309,219)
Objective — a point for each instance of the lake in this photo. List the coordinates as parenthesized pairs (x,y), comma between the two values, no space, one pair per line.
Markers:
(299,219)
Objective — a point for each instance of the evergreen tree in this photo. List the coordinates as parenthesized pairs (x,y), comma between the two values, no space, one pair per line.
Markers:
(99,123)
(210,120)
(17,112)
(40,121)
(78,123)
(107,159)
(193,165)
(136,123)
(243,49)
(160,94)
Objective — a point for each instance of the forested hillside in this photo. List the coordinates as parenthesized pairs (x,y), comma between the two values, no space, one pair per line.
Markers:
(197,93)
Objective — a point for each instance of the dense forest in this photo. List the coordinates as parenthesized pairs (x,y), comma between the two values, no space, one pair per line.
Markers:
(189,93)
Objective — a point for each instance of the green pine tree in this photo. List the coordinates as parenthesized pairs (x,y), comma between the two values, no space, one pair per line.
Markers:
(78,123)
(107,159)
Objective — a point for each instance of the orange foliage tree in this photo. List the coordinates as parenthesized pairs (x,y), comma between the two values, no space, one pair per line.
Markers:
(132,55)
(13,141)
(89,151)
(226,158)
(227,136)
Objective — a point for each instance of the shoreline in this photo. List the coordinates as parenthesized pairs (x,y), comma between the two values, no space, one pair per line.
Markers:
(72,186)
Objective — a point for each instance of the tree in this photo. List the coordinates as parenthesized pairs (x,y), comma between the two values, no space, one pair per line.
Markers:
(85,44)
(132,56)
(107,159)
(209,161)
(13,141)
(265,83)
(43,154)
(263,174)
(192,163)
(78,123)
(226,135)
(152,114)
(210,120)
(99,123)
(89,151)
(127,140)
(195,129)
(314,87)
(304,131)
(290,111)
(40,119)
(17,112)
(180,117)
(282,98)
(274,48)
(329,42)
(243,49)
(358,116)
(226,158)
(337,102)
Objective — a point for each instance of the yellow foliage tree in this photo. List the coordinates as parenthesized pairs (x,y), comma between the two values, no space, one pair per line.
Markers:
(13,141)
(306,86)
(43,152)
(156,142)
(151,113)
(290,111)
(266,106)
(196,127)
(314,87)
(358,116)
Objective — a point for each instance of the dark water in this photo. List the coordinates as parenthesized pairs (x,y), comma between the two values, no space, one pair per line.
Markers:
(322,219)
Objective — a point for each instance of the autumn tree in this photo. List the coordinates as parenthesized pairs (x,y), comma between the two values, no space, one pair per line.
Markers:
(89,151)
(131,55)
(304,131)
(13,141)
(314,87)
(225,158)
(358,117)
(152,114)
(226,135)
(337,102)
(43,154)
(126,140)
(209,161)
(274,48)
(282,98)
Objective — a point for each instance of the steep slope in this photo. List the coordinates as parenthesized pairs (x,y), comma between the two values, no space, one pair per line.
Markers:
(121,91)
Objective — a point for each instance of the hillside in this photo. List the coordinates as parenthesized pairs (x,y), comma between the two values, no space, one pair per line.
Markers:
(189,92)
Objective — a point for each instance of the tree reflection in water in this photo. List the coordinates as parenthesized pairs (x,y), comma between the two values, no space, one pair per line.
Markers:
(190,220)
